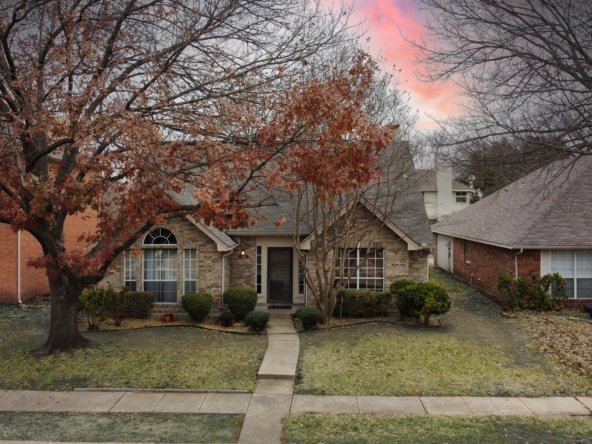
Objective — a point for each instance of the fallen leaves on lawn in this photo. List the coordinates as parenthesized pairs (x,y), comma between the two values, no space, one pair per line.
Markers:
(568,340)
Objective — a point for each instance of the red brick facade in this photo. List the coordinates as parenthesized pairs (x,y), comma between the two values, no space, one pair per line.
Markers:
(33,280)
(487,263)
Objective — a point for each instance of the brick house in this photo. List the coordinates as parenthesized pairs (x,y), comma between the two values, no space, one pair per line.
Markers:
(185,255)
(539,224)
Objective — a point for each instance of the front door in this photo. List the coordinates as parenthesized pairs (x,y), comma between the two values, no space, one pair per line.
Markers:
(279,275)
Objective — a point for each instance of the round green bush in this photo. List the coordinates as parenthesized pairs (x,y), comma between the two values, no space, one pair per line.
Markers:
(197,305)
(257,320)
(309,317)
(138,304)
(421,300)
(240,301)
(398,285)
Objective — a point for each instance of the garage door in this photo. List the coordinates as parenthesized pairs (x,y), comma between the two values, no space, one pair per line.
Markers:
(444,252)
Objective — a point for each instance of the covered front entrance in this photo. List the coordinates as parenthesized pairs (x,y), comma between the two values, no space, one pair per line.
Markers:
(279,275)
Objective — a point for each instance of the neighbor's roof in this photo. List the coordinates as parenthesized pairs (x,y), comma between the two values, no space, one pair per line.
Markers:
(428,182)
(549,208)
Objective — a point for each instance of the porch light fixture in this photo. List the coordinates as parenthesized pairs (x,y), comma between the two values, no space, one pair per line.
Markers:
(243,255)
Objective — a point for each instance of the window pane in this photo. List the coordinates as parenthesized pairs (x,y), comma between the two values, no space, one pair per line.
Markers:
(562,262)
(569,287)
(129,273)
(189,271)
(258,271)
(584,264)
(160,274)
(584,288)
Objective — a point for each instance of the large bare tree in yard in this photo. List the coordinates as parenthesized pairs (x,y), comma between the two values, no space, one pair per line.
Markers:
(331,233)
(525,67)
(109,107)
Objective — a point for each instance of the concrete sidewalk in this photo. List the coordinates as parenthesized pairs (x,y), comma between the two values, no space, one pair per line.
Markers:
(274,397)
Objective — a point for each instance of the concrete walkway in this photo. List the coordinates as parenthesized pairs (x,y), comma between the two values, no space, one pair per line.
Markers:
(275,383)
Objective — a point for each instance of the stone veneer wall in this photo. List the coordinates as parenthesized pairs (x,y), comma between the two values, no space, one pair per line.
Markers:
(399,263)
(209,263)
(242,270)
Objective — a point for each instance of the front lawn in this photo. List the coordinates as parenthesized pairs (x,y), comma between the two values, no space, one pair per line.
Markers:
(316,428)
(119,427)
(167,357)
(477,352)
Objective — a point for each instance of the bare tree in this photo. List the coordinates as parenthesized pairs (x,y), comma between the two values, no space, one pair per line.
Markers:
(336,236)
(525,67)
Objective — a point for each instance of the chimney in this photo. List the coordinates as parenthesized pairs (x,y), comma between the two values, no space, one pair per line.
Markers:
(444,187)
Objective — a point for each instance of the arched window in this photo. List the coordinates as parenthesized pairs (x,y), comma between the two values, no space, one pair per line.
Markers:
(160,265)
(160,236)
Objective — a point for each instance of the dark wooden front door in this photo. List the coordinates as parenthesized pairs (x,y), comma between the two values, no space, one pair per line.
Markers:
(279,275)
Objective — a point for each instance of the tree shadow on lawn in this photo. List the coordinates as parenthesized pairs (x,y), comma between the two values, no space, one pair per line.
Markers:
(180,357)
(476,352)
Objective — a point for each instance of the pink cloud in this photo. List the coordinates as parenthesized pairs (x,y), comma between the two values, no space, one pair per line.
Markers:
(389,23)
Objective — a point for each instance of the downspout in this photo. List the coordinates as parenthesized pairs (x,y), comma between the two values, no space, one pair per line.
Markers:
(516,262)
(18,267)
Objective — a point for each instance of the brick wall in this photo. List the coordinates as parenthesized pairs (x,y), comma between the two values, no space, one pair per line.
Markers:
(34,280)
(399,263)
(242,270)
(488,262)
(209,264)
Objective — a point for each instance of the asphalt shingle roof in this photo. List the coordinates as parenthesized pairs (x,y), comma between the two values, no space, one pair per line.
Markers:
(549,208)
(403,206)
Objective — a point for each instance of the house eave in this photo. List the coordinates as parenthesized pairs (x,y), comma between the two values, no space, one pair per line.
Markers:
(514,246)
(220,245)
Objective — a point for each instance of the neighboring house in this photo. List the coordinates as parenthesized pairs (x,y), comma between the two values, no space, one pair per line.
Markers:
(442,195)
(185,255)
(539,224)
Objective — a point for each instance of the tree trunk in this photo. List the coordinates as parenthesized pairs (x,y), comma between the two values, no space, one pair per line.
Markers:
(63,330)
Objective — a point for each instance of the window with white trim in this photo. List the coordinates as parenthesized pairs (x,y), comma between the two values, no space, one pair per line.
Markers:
(129,270)
(461,196)
(160,265)
(189,271)
(258,270)
(575,266)
(301,276)
(363,268)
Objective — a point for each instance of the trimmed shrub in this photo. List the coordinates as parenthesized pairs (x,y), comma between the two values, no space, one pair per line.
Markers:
(421,300)
(398,285)
(257,320)
(119,307)
(406,305)
(240,301)
(226,319)
(542,294)
(138,304)
(361,303)
(197,305)
(97,305)
(309,317)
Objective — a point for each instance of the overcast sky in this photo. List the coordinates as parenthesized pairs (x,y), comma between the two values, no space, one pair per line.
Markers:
(386,22)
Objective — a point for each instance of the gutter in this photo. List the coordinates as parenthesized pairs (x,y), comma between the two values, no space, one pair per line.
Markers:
(516,262)
(18,267)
